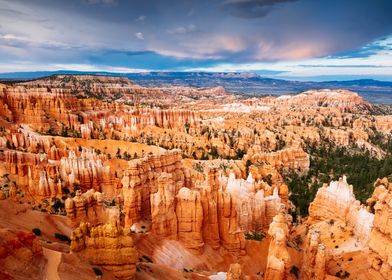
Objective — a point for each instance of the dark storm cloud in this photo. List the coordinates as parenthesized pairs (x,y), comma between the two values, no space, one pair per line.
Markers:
(251,8)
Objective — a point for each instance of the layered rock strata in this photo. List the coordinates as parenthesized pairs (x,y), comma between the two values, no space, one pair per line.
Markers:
(108,246)
(89,207)
(139,182)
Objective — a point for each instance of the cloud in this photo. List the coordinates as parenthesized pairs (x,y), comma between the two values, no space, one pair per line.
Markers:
(127,53)
(141,18)
(194,33)
(205,46)
(11,12)
(251,8)
(182,29)
(382,45)
(139,35)
(16,41)
(342,66)
(19,66)
(106,3)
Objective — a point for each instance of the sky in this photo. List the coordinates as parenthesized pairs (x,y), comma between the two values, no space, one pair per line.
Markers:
(290,39)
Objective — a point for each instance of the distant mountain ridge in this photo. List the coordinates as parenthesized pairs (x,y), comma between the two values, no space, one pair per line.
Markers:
(249,84)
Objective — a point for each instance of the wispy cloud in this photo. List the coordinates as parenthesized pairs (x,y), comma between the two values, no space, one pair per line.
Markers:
(183,29)
(139,35)
(382,45)
(107,3)
(141,18)
(251,8)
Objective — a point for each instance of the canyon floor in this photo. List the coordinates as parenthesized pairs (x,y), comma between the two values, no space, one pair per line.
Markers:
(101,177)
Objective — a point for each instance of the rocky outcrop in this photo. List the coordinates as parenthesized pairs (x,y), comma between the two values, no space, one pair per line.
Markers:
(89,207)
(161,118)
(279,260)
(108,246)
(189,212)
(289,158)
(139,182)
(231,237)
(26,139)
(44,178)
(380,243)
(35,173)
(235,272)
(58,140)
(163,215)
(209,200)
(20,255)
(85,170)
(337,201)
(217,213)
(341,99)
(32,105)
(314,258)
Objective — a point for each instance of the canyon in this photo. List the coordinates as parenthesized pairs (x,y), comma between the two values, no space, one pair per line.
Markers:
(102,177)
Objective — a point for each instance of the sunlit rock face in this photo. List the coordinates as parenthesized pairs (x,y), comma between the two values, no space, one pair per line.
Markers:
(337,201)
(88,207)
(189,212)
(163,214)
(139,182)
(380,243)
(279,260)
(314,258)
(291,158)
(108,246)
(235,272)
(179,182)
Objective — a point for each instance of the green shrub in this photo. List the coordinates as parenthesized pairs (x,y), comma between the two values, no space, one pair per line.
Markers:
(342,274)
(294,270)
(36,231)
(255,235)
(62,237)
(97,271)
(147,259)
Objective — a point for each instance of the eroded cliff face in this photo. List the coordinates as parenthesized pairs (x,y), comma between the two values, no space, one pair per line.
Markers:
(190,218)
(89,207)
(163,212)
(235,272)
(279,260)
(108,246)
(190,178)
(139,182)
(380,242)
(314,257)
(337,201)
(217,212)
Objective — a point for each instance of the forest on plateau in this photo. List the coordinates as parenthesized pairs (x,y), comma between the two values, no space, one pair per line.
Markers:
(329,162)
